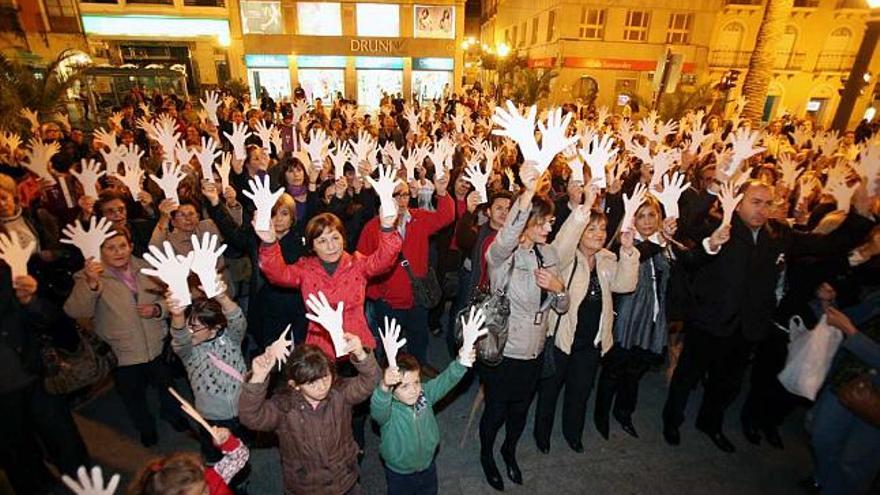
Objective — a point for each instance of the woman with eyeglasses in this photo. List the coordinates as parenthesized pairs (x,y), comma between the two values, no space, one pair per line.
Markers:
(207,337)
(128,313)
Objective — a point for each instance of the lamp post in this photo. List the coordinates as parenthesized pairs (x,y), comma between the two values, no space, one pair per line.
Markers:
(855,81)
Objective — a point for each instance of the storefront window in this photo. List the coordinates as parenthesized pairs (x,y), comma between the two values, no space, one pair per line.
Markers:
(378,19)
(261,17)
(269,73)
(434,21)
(319,18)
(431,77)
(373,84)
(321,77)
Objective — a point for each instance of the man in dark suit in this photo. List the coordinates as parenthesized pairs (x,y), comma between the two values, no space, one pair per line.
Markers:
(735,277)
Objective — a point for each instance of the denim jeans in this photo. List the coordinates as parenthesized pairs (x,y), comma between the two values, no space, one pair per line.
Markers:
(418,483)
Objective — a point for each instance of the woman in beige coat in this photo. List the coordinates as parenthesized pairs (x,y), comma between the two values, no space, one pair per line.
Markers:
(591,274)
(128,313)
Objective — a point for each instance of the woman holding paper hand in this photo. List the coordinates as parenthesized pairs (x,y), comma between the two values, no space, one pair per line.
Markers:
(128,314)
(207,337)
(592,274)
(328,268)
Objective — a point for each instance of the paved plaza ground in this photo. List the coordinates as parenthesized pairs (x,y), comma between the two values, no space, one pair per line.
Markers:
(621,465)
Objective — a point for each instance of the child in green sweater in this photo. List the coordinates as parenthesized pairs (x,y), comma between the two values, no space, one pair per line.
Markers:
(403,407)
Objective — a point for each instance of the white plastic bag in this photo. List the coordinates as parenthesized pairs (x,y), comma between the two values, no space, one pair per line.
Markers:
(810,353)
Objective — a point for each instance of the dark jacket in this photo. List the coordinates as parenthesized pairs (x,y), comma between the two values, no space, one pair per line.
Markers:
(318,451)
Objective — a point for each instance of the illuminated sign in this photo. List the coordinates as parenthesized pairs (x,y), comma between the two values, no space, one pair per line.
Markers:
(154,26)
(265,61)
(376,46)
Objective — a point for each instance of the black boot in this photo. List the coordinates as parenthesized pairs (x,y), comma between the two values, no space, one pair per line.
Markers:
(493,476)
(513,472)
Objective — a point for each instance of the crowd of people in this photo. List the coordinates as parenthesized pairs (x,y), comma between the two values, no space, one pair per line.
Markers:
(223,240)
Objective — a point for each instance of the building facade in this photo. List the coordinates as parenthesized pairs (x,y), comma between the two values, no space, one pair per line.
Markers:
(612,50)
(38,30)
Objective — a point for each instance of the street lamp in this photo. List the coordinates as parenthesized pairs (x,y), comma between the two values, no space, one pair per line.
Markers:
(855,81)
(503,49)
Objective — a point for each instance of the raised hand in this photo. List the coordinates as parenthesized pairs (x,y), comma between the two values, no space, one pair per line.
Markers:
(575,165)
(90,484)
(479,179)
(172,269)
(281,348)
(88,241)
(224,168)
(131,165)
(211,103)
(666,128)
(600,154)
(642,152)
(275,138)
(38,157)
(471,330)
(115,120)
(663,162)
(237,138)
(520,128)
(107,139)
(182,153)
(146,109)
(172,174)
(206,157)
(364,147)
(317,146)
(672,189)
(553,139)
(32,118)
(393,152)
(339,157)
(391,341)
(89,177)
(743,147)
(264,199)
(827,142)
(167,136)
(204,265)
(841,192)
(630,205)
(265,134)
(729,200)
(412,118)
(789,170)
(14,254)
(331,319)
(384,188)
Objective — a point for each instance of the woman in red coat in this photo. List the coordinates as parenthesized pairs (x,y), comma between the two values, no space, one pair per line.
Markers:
(328,268)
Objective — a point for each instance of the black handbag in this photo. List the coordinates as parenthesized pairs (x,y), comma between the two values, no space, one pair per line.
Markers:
(548,367)
(68,371)
(426,290)
(495,306)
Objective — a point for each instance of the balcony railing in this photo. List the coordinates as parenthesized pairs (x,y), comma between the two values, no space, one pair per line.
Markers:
(789,61)
(835,61)
(729,59)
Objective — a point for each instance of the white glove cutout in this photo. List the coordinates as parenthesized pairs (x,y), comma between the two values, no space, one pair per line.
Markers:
(237,138)
(134,174)
(38,157)
(518,127)
(264,199)
(204,265)
(331,319)
(602,152)
(265,135)
(339,157)
(672,189)
(88,241)
(384,188)
(206,158)
(479,179)
(224,168)
(172,269)
(281,348)
(89,176)
(553,139)
(172,174)
(631,205)
(728,201)
(391,342)
(15,255)
(211,103)
(317,146)
(471,331)
(90,485)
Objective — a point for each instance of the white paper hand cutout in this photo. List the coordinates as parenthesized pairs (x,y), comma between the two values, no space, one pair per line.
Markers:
(237,138)
(88,241)
(224,168)
(600,154)
(728,201)
(789,169)
(38,157)
(281,348)
(364,147)
(89,176)
(384,188)
(471,331)
(211,103)
(265,134)
(331,319)
(317,146)
(553,139)
(339,157)
(479,179)
(630,205)
(204,265)
(264,199)
(391,341)
(841,192)
(672,189)
(91,484)
(31,116)
(520,128)
(172,174)
(206,157)
(14,254)
(134,174)
(172,269)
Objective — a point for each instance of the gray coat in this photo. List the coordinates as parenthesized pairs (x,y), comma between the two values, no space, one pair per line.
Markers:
(513,266)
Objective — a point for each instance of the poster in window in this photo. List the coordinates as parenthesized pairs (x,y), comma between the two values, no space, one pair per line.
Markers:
(261,17)
(434,21)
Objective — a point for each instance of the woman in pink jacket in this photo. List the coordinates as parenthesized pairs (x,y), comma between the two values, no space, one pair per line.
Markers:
(328,268)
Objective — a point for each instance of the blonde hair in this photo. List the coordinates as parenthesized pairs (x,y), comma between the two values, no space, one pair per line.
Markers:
(285,201)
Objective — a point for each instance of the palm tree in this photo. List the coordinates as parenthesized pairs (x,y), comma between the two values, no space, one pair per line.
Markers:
(42,90)
(757,80)
(532,87)
(675,105)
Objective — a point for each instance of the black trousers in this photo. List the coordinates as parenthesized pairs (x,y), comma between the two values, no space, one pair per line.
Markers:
(622,370)
(577,372)
(723,360)
(32,418)
(132,382)
(509,389)
(768,402)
